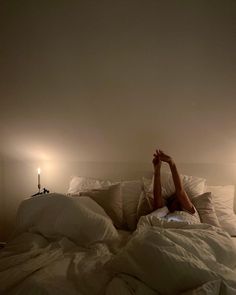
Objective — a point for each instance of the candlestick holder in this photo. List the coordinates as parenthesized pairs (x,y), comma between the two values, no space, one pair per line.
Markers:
(45,191)
(39,193)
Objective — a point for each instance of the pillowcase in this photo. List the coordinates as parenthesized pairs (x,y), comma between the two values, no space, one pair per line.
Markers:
(145,205)
(206,210)
(109,198)
(131,191)
(55,216)
(193,185)
(81,184)
(130,194)
(223,199)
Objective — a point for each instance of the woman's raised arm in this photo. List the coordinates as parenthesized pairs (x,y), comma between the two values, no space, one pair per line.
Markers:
(158,200)
(179,189)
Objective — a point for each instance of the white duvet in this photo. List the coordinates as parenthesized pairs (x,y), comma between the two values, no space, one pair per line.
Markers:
(176,260)
(54,216)
(60,267)
(86,255)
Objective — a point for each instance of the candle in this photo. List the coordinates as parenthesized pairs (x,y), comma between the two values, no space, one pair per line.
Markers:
(39,186)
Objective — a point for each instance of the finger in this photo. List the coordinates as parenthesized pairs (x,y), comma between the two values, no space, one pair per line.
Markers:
(156,159)
(162,153)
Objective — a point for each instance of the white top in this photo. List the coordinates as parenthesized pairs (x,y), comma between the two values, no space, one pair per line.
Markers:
(182,216)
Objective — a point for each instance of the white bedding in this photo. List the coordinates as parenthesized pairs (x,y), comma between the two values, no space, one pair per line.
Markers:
(55,216)
(173,260)
(166,258)
(60,267)
(234,240)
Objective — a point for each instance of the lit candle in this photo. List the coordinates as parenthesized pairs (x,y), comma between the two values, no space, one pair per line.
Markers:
(39,186)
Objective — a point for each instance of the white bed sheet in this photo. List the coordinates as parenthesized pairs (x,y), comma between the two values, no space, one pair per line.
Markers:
(36,266)
(188,256)
(36,263)
(234,240)
(30,264)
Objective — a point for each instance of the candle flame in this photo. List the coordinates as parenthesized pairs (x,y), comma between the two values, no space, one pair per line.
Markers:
(39,170)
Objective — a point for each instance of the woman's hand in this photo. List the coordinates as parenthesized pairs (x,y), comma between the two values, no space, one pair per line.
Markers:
(165,158)
(156,161)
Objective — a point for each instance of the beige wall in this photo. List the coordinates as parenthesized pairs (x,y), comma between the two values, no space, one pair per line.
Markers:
(107,82)
(2,215)
(111,80)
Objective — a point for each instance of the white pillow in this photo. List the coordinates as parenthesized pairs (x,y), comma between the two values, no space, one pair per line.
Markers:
(205,207)
(131,191)
(109,198)
(81,184)
(193,185)
(145,205)
(54,216)
(223,199)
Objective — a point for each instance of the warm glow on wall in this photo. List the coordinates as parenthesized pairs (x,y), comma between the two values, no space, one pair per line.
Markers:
(27,148)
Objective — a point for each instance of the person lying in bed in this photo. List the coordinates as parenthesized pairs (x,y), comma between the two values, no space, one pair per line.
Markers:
(177,207)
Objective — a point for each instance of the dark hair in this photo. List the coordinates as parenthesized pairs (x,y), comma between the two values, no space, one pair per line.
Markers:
(173,203)
(170,200)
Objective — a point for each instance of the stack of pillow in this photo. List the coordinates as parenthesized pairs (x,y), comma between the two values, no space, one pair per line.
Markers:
(119,199)
(126,201)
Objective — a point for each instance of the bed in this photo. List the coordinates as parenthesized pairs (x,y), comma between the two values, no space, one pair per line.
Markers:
(94,240)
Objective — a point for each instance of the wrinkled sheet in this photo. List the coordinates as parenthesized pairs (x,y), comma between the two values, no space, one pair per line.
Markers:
(166,258)
(191,259)
(32,265)
(56,216)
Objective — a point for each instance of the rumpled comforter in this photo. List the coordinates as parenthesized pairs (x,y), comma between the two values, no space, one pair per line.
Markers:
(180,259)
(158,258)
(30,264)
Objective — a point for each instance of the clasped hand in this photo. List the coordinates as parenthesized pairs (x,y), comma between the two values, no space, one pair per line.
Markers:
(158,157)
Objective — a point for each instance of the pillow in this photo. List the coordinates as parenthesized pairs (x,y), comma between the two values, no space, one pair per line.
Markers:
(193,185)
(145,205)
(55,216)
(131,191)
(81,184)
(205,207)
(109,198)
(148,185)
(223,199)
